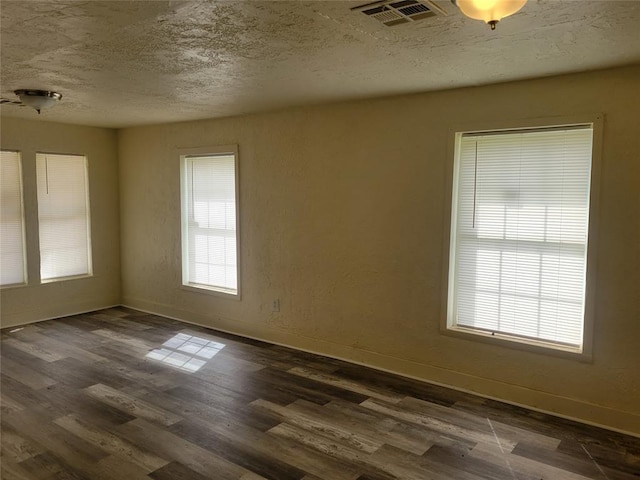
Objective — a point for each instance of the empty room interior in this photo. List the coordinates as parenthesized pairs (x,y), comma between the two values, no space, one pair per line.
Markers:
(303,240)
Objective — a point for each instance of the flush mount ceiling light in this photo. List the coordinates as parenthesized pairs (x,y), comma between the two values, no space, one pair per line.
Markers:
(37,99)
(491,11)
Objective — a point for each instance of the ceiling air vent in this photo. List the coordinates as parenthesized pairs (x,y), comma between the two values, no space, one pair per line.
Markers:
(396,13)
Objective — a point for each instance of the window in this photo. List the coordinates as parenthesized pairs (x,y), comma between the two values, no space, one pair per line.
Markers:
(209,227)
(12,250)
(519,231)
(63,216)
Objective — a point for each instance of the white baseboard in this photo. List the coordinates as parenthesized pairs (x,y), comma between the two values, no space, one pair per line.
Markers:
(565,407)
(35,315)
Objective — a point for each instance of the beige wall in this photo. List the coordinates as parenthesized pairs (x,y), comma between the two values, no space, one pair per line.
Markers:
(342,214)
(42,301)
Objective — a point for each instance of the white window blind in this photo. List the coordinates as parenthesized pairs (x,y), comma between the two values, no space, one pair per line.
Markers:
(63,216)
(519,233)
(12,250)
(209,222)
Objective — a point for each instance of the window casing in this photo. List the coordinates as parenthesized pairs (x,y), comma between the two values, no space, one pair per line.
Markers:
(63,216)
(12,237)
(209,220)
(519,247)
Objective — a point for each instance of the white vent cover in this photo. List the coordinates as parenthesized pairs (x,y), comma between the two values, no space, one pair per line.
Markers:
(393,13)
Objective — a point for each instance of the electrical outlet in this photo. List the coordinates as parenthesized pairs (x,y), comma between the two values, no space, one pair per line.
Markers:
(275,307)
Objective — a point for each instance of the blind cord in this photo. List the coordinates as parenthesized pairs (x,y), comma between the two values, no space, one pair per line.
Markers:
(46,172)
(475,184)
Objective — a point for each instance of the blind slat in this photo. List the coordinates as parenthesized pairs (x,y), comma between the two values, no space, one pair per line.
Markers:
(12,249)
(521,229)
(63,216)
(210,230)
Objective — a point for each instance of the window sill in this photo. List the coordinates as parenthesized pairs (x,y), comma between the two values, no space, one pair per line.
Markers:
(64,279)
(214,291)
(519,343)
(13,285)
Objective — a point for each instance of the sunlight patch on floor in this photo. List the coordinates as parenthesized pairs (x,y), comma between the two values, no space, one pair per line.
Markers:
(186,352)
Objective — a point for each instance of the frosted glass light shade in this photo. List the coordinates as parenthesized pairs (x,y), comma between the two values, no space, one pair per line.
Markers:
(491,11)
(38,99)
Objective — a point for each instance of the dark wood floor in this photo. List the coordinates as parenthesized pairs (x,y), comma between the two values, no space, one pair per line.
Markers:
(119,394)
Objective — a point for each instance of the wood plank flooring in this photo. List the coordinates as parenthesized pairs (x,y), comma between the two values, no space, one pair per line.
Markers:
(122,395)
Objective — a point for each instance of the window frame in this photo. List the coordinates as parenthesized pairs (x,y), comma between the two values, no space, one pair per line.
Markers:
(90,272)
(25,270)
(447,326)
(182,155)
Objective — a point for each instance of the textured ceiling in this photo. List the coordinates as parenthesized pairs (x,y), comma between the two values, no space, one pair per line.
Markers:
(124,63)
